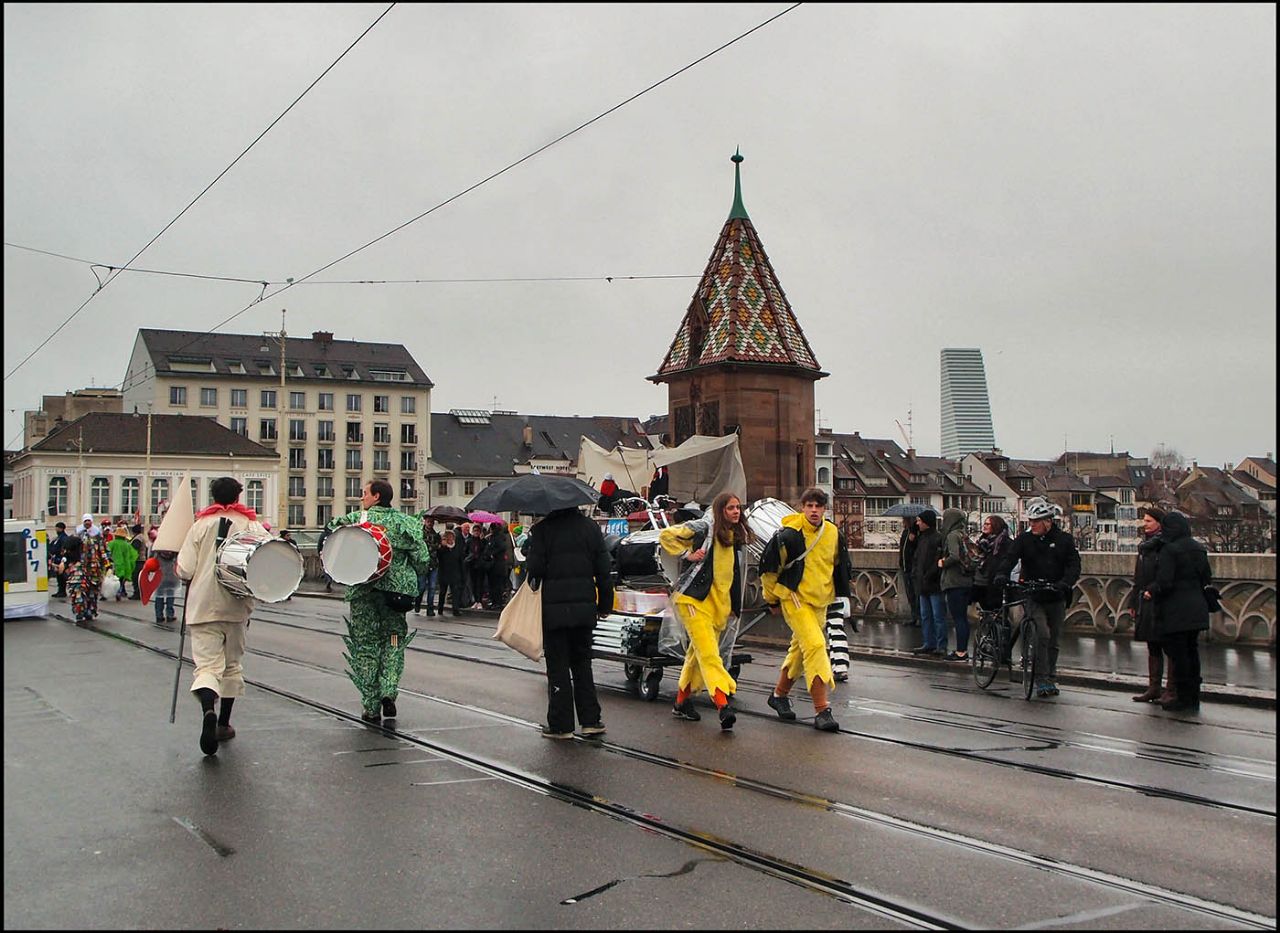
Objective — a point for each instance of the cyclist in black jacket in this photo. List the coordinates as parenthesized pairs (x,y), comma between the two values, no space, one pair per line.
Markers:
(1049,554)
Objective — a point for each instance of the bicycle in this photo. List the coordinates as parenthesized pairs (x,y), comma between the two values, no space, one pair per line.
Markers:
(994,637)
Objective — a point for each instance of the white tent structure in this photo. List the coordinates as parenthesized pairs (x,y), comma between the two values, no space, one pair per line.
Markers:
(631,467)
(698,470)
(703,467)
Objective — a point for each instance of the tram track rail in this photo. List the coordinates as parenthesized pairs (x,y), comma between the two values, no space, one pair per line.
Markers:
(816,881)
(1148,790)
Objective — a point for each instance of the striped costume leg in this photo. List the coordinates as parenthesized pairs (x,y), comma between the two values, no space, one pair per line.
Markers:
(837,642)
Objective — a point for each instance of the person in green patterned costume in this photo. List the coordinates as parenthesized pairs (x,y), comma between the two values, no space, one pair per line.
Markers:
(376,632)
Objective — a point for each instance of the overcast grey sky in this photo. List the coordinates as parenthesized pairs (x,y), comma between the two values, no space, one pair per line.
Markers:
(1085,192)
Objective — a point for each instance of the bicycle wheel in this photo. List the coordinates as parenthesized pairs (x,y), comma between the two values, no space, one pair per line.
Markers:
(1028,657)
(986,654)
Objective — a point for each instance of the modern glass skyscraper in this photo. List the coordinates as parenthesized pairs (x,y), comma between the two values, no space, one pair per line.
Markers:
(966,409)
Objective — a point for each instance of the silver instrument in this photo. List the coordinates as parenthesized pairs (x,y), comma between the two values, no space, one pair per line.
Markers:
(253,564)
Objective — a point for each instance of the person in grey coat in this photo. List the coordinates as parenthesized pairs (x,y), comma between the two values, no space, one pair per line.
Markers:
(957,577)
(1182,608)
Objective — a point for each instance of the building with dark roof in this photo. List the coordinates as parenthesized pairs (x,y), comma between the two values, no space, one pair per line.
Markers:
(103,463)
(472,449)
(739,362)
(338,413)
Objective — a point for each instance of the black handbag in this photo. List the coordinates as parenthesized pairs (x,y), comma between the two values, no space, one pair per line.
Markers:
(1213,598)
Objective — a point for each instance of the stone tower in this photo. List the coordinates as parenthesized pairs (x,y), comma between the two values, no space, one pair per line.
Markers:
(740,362)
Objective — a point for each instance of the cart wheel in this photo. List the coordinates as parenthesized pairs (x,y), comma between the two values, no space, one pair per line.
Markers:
(649,686)
(632,672)
(735,670)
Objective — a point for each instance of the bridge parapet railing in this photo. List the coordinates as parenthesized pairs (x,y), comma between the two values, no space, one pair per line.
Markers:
(1247,583)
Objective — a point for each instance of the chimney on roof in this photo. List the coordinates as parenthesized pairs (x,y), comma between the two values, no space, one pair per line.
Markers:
(528,435)
(322,337)
(1228,467)
(911,452)
(856,434)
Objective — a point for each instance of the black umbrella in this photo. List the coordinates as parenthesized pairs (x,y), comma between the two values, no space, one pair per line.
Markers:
(534,494)
(446,513)
(906,510)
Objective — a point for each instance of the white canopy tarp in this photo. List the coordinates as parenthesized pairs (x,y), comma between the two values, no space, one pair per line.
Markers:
(703,467)
(630,467)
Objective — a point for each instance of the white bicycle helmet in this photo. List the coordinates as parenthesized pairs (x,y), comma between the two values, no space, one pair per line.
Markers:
(1040,508)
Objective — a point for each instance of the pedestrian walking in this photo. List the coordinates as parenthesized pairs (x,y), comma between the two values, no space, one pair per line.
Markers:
(569,565)
(167,590)
(804,567)
(95,562)
(428,582)
(1181,593)
(377,633)
(708,594)
(928,579)
(140,547)
(956,581)
(123,558)
(56,558)
(216,619)
(497,558)
(477,572)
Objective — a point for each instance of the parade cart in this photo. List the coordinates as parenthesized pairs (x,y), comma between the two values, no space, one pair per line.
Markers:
(633,639)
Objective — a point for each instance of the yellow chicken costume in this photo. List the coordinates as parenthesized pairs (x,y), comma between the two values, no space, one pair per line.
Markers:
(704,618)
(803,569)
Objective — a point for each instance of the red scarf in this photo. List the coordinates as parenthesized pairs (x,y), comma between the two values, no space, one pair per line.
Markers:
(233,507)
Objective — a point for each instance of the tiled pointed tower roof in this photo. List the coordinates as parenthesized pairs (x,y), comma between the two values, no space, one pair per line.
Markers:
(739,313)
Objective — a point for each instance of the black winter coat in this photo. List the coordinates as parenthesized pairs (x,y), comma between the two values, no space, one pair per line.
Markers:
(449,560)
(1144,575)
(1182,573)
(907,551)
(704,578)
(791,541)
(568,559)
(928,575)
(1051,557)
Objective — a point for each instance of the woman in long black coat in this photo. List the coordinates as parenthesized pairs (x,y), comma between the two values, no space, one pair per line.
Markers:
(1144,610)
(1182,609)
(568,564)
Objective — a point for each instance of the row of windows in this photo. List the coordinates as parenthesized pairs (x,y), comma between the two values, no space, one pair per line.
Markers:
(297,514)
(324,431)
(297,400)
(354,487)
(100,501)
(354,459)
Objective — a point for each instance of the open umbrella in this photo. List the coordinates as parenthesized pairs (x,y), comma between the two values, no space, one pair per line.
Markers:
(446,513)
(534,494)
(487,518)
(906,510)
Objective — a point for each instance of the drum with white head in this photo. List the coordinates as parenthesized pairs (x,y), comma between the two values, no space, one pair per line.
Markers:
(253,563)
(764,517)
(356,554)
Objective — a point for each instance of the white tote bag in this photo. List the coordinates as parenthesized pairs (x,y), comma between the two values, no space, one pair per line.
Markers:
(520,625)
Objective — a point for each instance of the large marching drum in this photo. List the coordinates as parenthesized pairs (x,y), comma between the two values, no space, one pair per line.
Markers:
(356,553)
(251,563)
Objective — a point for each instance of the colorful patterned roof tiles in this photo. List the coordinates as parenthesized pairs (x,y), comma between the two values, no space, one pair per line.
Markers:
(739,312)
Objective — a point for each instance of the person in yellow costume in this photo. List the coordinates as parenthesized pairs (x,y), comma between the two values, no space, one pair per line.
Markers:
(707,595)
(804,567)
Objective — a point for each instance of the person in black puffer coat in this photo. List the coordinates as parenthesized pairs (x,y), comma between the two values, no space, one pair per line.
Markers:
(1182,610)
(568,562)
(1143,611)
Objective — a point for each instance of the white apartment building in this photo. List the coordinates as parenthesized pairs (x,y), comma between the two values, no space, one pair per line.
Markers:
(338,413)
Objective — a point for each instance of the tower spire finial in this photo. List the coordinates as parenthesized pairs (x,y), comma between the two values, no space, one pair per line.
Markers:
(738,210)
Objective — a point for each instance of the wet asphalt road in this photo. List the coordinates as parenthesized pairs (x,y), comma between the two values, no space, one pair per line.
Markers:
(937,805)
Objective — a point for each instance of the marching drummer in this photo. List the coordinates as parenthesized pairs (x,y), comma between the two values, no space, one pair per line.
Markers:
(804,567)
(216,618)
(377,631)
(705,597)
